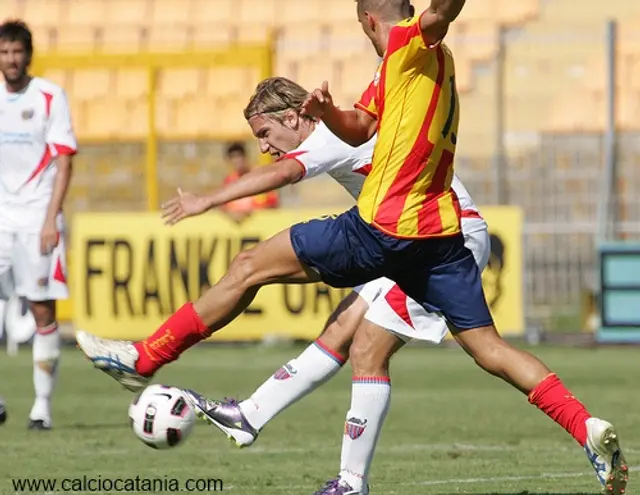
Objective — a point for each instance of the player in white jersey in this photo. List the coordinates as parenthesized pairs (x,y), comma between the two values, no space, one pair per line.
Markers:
(304,152)
(36,145)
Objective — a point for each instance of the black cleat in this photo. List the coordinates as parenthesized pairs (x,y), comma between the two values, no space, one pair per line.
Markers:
(38,424)
(3,412)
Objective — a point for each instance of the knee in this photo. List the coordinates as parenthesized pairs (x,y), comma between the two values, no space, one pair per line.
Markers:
(43,312)
(366,359)
(243,270)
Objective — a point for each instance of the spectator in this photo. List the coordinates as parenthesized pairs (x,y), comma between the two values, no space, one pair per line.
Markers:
(240,209)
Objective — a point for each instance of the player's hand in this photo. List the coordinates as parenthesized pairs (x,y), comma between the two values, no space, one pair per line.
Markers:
(184,205)
(49,237)
(318,102)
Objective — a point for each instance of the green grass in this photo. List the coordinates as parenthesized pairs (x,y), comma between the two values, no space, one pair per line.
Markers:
(451,428)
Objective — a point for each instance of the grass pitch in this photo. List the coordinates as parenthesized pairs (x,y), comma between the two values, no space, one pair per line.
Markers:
(451,428)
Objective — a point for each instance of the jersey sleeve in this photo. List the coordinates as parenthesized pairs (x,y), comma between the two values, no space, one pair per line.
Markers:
(406,42)
(59,134)
(367,102)
(327,159)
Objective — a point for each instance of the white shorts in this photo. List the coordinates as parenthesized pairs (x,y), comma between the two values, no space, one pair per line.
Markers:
(394,311)
(25,272)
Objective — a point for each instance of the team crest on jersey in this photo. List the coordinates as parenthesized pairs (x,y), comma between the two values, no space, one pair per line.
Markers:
(354,427)
(284,373)
(376,78)
(43,282)
(28,114)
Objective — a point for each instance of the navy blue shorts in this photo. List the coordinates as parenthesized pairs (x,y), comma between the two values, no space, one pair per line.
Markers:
(441,274)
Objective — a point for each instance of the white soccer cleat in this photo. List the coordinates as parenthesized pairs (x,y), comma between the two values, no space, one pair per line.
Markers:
(605,454)
(117,358)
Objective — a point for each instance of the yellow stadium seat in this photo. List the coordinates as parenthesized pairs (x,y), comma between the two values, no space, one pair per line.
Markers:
(193,116)
(12,9)
(252,33)
(91,84)
(127,13)
(223,82)
(512,13)
(122,39)
(478,40)
(170,12)
(43,38)
(131,84)
(257,12)
(346,40)
(63,78)
(314,70)
(301,41)
(174,84)
(354,75)
(228,121)
(84,13)
(212,36)
(42,13)
(341,11)
(168,38)
(76,38)
(105,118)
(205,12)
(299,12)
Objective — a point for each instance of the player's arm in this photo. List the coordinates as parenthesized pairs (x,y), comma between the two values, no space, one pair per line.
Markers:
(354,127)
(434,22)
(61,139)
(259,180)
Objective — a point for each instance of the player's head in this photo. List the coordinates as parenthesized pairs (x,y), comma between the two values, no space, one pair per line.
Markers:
(377,16)
(16,50)
(273,113)
(237,157)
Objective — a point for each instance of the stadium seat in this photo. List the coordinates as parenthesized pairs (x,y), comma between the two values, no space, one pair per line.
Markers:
(129,13)
(76,38)
(131,84)
(346,40)
(256,33)
(122,39)
(254,12)
(90,84)
(43,38)
(168,38)
(206,12)
(223,82)
(212,36)
(43,13)
(89,13)
(174,84)
(299,13)
(170,12)
(12,9)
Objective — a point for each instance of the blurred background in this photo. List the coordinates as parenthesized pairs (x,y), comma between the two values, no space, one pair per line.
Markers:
(549,92)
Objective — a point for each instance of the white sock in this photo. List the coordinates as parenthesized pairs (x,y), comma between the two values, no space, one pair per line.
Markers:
(293,381)
(46,353)
(370,399)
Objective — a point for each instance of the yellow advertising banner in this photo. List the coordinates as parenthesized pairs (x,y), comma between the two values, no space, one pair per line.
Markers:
(129,272)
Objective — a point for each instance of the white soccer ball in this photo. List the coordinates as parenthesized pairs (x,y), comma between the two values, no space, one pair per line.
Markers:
(161,417)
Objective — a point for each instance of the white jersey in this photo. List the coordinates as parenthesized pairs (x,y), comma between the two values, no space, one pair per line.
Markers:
(35,128)
(323,152)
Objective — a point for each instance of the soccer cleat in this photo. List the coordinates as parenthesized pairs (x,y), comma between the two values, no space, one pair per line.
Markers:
(605,454)
(338,486)
(117,358)
(39,425)
(3,411)
(224,415)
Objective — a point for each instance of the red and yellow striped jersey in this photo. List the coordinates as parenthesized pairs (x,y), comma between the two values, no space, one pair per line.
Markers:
(408,192)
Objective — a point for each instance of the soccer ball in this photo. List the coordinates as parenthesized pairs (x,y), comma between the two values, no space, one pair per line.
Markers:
(160,417)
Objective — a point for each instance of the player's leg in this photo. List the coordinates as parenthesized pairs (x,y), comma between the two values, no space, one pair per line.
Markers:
(333,246)
(454,287)
(370,352)
(42,280)
(318,363)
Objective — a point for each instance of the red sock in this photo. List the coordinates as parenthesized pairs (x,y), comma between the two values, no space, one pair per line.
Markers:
(553,399)
(182,330)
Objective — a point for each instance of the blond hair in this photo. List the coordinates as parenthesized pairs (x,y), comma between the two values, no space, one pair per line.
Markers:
(274,96)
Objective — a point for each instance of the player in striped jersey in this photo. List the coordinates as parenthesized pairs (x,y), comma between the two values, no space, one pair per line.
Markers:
(406,227)
(305,150)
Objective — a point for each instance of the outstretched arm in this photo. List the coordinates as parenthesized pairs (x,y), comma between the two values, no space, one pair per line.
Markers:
(434,22)
(354,127)
(259,180)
